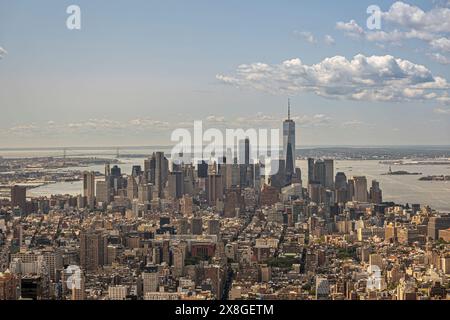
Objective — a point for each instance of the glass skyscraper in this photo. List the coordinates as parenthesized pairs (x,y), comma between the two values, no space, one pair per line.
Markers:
(289,142)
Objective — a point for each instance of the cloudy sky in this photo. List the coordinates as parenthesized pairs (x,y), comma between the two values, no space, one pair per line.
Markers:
(137,70)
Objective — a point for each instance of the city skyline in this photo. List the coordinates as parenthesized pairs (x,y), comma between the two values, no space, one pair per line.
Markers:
(106,84)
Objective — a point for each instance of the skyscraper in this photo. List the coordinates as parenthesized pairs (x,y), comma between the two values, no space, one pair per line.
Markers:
(289,142)
(311,173)
(341,180)
(360,189)
(341,187)
(320,172)
(150,279)
(329,173)
(376,195)
(93,249)
(89,188)
(214,188)
(159,169)
(18,197)
(132,188)
(435,224)
(102,192)
(175,184)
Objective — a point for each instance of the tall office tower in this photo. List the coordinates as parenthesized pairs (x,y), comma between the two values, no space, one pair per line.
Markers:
(257,177)
(319,172)
(188,179)
(329,173)
(376,195)
(341,187)
(145,192)
(107,171)
(19,197)
(247,151)
(166,251)
(341,181)
(289,142)
(281,178)
(148,165)
(175,184)
(132,188)
(136,171)
(243,175)
(150,279)
(115,179)
(350,189)
(360,189)
(311,173)
(93,249)
(228,177)
(235,175)
(108,179)
(161,172)
(101,192)
(435,224)
(214,188)
(197,226)
(115,171)
(315,192)
(89,188)
(214,227)
(202,169)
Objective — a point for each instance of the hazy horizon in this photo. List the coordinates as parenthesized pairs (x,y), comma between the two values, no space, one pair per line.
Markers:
(131,77)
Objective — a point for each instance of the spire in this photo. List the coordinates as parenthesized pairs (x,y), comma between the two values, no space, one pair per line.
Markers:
(289,109)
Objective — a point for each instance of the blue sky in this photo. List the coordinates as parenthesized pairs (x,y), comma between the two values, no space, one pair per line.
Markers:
(139,69)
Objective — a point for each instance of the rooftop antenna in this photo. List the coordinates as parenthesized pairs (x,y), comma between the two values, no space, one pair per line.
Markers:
(289,108)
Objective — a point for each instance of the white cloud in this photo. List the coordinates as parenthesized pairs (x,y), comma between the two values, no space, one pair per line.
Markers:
(374,78)
(404,21)
(213,118)
(3,52)
(436,20)
(329,40)
(261,120)
(442,111)
(310,38)
(439,58)
(354,123)
(442,44)
(142,123)
(306,35)
(351,28)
